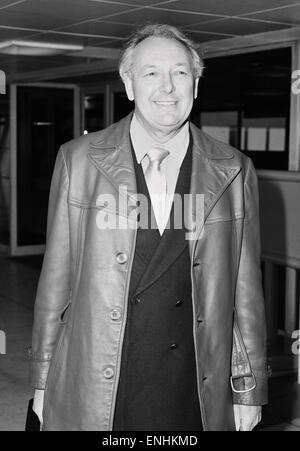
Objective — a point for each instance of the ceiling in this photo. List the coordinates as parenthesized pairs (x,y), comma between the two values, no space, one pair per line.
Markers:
(99,25)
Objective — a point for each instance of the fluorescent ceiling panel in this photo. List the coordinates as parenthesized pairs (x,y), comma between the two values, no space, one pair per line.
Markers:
(20,47)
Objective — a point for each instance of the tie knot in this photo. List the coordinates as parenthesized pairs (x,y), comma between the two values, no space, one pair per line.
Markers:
(157,155)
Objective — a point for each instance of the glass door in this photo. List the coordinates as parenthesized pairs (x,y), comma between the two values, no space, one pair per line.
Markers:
(43,116)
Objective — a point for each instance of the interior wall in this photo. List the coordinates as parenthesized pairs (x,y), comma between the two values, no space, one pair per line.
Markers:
(280,216)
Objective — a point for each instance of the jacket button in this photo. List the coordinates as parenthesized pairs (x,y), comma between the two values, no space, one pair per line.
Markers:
(108,373)
(137,299)
(179,302)
(173,346)
(122,258)
(115,315)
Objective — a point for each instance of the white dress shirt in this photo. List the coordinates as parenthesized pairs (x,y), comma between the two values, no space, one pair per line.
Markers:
(177,146)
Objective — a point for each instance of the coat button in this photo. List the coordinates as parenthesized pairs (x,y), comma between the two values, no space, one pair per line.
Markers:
(173,346)
(179,302)
(115,315)
(122,258)
(136,299)
(108,373)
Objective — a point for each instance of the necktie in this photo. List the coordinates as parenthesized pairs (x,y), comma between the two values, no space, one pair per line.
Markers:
(157,185)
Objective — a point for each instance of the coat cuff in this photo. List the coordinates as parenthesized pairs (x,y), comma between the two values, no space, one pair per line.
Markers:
(258,396)
(38,370)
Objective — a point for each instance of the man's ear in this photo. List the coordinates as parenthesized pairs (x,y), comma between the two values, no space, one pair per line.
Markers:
(196,83)
(128,82)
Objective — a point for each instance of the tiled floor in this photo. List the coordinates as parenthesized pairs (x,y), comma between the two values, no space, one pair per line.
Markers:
(18,280)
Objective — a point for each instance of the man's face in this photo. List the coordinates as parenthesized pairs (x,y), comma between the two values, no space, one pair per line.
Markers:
(162,84)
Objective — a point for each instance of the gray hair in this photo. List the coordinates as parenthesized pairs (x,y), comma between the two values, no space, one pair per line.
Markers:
(158,31)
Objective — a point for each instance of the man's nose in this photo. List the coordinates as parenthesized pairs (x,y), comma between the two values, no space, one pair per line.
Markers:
(167,84)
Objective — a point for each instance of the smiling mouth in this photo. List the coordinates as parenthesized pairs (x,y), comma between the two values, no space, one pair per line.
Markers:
(166,103)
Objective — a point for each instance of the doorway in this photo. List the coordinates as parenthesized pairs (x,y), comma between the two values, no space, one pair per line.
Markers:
(43,116)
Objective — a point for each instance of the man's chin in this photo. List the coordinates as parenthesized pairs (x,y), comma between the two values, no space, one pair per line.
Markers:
(169,126)
(165,124)
(169,122)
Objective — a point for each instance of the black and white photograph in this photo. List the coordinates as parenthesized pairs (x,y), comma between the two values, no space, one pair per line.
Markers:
(149,218)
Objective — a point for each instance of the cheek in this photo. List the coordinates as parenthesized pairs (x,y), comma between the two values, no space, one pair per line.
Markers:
(152,91)
(189,96)
(185,91)
(143,92)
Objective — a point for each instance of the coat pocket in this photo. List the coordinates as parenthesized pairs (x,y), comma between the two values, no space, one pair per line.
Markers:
(65,313)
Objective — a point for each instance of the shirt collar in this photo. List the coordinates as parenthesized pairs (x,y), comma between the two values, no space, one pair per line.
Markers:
(142,142)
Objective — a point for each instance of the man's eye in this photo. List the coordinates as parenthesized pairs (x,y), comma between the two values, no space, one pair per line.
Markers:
(181,72)
(150,74)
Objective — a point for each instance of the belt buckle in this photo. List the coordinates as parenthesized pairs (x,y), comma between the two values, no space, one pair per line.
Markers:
(238,377)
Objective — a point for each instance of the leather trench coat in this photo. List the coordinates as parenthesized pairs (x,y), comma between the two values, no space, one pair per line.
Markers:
(81,303)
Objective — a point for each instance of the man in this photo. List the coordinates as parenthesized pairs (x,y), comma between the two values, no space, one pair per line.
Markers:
(140,328)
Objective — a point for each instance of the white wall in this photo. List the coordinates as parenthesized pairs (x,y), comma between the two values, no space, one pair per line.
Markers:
(280,216)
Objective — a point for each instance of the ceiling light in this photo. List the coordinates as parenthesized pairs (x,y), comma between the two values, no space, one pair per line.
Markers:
(32,48)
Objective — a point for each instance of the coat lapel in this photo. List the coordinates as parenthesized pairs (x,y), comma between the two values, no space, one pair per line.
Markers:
(210,178)
(111,155)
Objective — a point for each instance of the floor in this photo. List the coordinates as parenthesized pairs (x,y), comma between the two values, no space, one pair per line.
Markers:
(18,280)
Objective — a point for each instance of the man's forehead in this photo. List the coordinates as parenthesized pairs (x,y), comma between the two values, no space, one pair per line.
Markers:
(154,48)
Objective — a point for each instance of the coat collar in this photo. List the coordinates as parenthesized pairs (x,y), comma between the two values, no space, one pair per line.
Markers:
(117,138)
(110,152)
(212,172)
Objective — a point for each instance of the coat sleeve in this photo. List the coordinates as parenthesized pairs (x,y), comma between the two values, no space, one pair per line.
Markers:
(249,301)
(54,283)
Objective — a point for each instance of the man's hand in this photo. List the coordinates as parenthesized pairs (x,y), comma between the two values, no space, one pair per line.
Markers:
(38,404)
(246,417)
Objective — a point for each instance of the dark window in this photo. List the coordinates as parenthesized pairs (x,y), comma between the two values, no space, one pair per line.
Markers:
(244,100)
(122,106)
(94,112)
